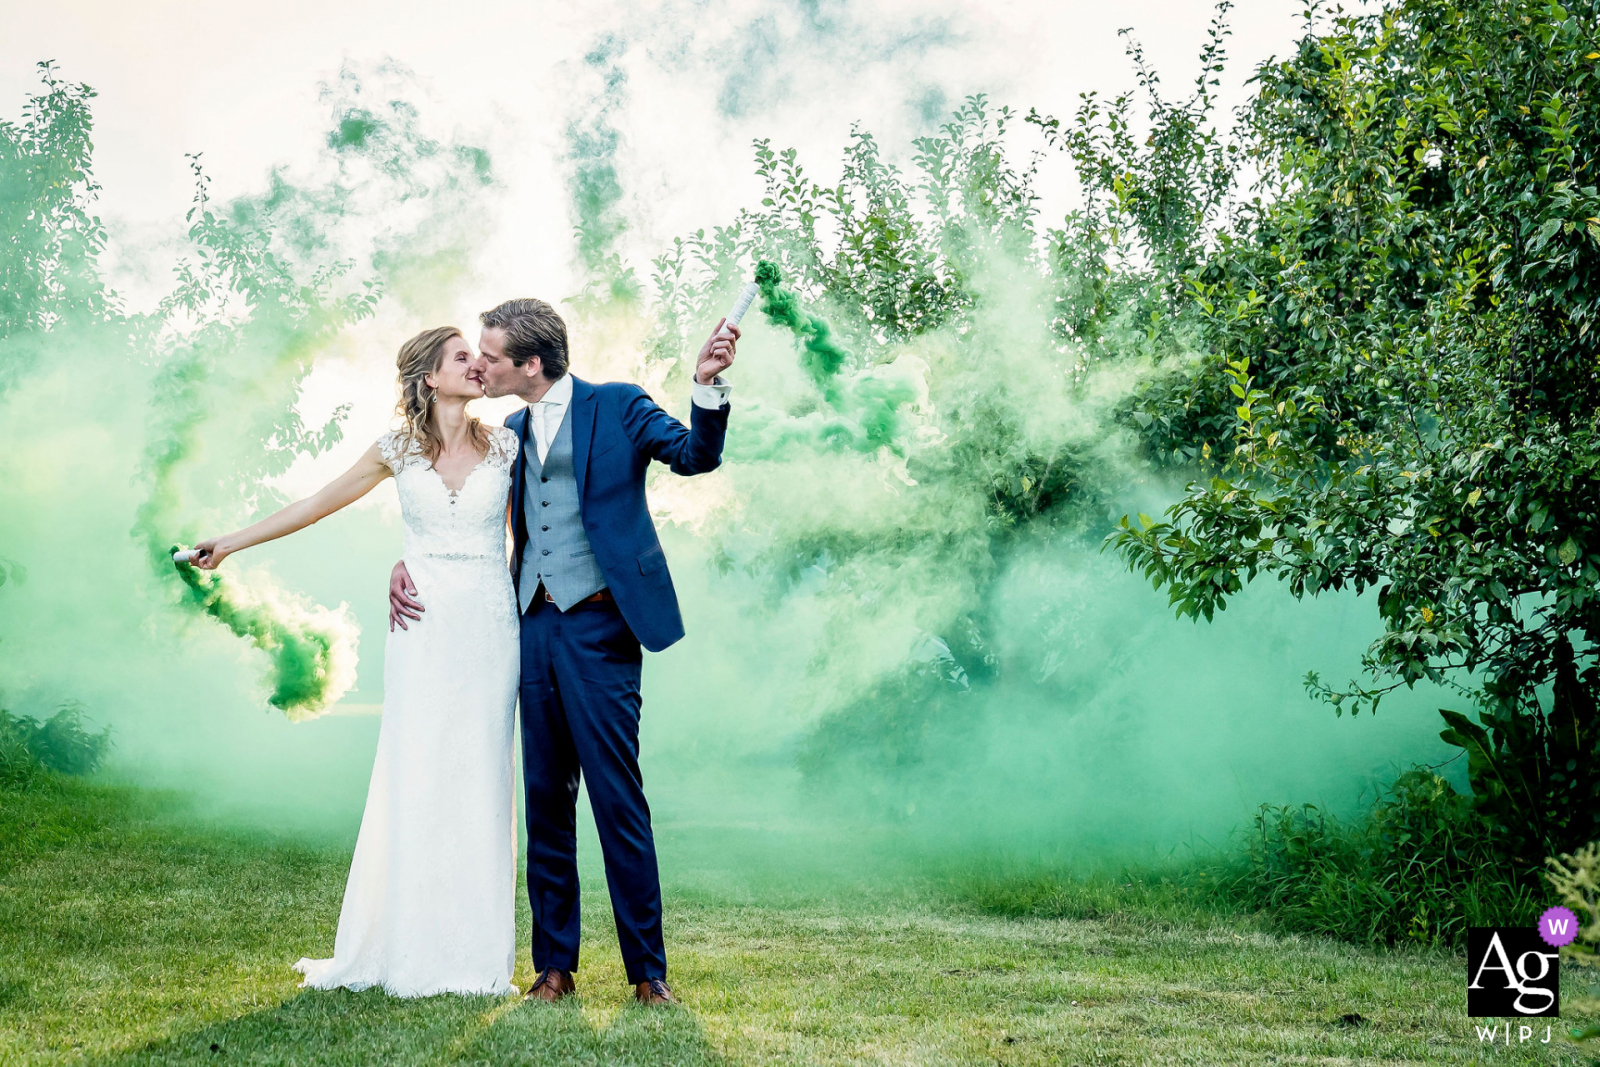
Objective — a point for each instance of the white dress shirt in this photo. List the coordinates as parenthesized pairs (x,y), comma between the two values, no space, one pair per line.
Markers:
(545,414)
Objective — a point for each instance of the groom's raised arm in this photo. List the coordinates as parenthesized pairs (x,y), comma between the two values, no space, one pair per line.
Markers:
(692,449)
(696,448)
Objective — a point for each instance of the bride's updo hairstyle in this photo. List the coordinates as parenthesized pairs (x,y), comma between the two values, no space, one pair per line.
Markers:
(420,357)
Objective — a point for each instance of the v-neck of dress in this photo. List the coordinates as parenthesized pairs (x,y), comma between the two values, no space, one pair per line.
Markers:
(457,490)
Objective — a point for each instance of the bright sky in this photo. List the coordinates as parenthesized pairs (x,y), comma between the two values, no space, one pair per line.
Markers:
(240,84)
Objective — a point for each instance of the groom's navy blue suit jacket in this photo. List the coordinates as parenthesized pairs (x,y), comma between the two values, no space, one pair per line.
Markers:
(616,431)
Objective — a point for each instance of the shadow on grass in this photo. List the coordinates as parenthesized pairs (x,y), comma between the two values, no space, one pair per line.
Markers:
(372,1027)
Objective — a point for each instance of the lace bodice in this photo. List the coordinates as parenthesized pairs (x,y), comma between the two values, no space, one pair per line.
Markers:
(468,523)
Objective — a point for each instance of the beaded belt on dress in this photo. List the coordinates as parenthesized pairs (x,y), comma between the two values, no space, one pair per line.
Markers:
(458,555)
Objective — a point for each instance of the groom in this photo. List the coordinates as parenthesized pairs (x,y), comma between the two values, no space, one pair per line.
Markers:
(592,585)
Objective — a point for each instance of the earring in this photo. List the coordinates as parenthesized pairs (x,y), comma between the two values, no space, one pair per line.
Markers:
(434,397)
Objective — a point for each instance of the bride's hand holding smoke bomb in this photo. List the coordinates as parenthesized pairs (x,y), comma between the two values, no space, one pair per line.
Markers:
(207,555)
(312,650)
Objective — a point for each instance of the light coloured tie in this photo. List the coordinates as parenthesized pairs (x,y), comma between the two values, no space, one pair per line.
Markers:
(540,438)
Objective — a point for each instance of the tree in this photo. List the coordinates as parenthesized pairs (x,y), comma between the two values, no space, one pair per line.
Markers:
(1400,333)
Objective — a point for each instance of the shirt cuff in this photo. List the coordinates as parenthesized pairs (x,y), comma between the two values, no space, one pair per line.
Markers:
(711,396)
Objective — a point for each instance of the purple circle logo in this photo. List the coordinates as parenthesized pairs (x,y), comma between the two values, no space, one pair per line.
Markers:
(1558,926)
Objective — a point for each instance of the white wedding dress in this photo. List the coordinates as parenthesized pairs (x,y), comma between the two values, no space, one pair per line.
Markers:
(428,907)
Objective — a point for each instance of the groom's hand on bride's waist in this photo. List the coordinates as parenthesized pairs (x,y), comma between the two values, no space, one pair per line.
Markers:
(403,602)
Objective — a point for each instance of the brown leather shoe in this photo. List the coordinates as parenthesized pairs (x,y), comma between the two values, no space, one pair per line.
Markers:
(655,993)
(551,985)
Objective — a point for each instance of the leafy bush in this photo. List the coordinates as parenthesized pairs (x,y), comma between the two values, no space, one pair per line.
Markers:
(30,748)
(1420,866)
(979,353)
(1398,326)
(17,765)
(1576,878)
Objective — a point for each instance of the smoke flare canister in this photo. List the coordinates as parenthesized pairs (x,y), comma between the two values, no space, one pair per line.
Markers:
(186,555)
(747,297)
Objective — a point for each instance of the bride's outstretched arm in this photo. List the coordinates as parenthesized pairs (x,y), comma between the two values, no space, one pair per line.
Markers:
(349,487)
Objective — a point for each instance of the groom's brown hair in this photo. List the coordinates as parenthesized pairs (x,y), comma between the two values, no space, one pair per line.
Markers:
(532,329)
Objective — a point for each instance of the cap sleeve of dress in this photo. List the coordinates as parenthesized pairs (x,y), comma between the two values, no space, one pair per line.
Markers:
(395,448)
(502,446)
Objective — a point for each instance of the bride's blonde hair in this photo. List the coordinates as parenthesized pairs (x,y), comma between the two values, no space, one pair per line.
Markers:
(420,357)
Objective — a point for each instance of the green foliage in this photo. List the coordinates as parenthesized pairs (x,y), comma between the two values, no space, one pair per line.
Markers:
(1005,438)
(1420,866)
(1400,318)
(1534,775)
(884,258)
(891,283)
(1148,208)
(1417,867)
(214,371)
(47,260)
(1576,880)
(18,767)
(29,748)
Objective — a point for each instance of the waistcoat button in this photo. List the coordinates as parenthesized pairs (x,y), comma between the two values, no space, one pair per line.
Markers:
(545,552)
(544,527)
(546,503)
(543,479)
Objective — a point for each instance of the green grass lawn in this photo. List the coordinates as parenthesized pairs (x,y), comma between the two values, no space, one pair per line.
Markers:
(130,937)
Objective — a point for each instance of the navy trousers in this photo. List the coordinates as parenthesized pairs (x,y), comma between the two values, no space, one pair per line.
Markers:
(580,717)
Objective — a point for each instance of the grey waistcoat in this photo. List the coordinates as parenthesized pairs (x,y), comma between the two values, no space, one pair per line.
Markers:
(557,552)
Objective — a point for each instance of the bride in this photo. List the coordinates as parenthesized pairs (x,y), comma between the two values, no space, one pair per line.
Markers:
(428,905)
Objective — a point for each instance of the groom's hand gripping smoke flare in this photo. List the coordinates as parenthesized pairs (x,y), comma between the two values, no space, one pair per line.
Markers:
(592,591)
(716,356)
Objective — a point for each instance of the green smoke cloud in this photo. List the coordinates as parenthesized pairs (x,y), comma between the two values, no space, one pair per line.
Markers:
(126,430)
(900,623)
(312,650)
(860,410)
(906,587)
(596,188)
(822,358)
